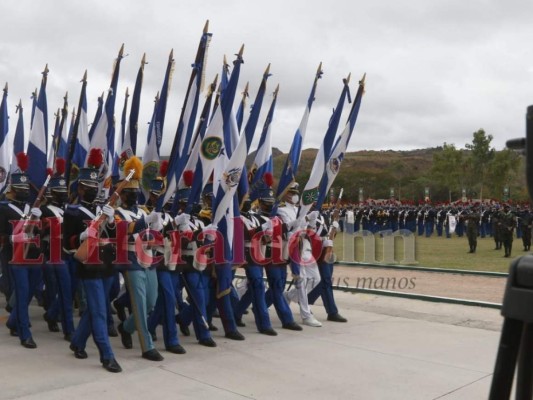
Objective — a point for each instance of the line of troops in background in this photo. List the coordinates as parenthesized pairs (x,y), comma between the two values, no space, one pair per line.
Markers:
(499,221)
(142,296)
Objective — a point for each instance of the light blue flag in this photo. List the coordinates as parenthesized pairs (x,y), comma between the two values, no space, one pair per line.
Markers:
(337,155)
(38,141)
(288,174)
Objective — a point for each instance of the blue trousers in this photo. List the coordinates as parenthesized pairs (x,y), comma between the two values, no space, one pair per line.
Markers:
(255,295)
(198,284)
(325,288)
(61,307)
(142,285)
(277,277)
(165,307)
(26,279)
(94,318)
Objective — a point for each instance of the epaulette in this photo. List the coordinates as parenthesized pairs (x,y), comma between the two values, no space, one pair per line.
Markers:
(282,204)
(205,214)
(73,206)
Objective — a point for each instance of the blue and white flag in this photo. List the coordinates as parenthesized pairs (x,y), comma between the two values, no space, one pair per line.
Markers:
(104,134)
(184,133)
(5,146)
(18,140)
(263,156)
(78,145)
(129,138)
(64,131)
(38,142)
(337,155)
(96,118)
(288,174)
(198,137)
(310,192)
(155,131)
(242,107)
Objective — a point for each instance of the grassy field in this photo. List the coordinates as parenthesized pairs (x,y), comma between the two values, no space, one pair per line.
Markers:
(439,252)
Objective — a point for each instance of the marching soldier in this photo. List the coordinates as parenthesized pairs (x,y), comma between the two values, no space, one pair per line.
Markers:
(526,222)
(326,231)
(168,279)
(141,280)
(14,214)
(508,223)
(472,220)
(96,278)
(60,308)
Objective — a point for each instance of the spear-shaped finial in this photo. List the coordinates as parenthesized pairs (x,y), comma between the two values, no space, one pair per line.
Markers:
(319,71)
(206,26)
(213,86)
(171,56)
(241,50)
(121,51)
(127,92)
(276,91)
(245,93)
(46,71)
(143,61)
(347,79)
(267,70)
(19,106)
(84,79)
(362,81)
(5,88)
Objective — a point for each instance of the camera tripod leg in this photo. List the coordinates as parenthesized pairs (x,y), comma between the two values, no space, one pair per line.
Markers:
(502,380)
(524,380)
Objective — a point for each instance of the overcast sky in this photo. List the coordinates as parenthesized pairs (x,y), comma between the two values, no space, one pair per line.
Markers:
(437,71)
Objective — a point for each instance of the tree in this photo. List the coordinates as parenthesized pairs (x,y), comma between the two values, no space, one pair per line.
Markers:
(481,156)
(447,168)
(502,169)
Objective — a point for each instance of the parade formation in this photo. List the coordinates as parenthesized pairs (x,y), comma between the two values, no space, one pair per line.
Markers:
(89,226)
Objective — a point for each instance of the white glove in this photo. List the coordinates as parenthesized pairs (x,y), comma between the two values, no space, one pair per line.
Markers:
(153,217)
(210,227)
(335,225)
(110,212)
(182,219)
(36,213)
(89,232)
(328,243)
(267,226)
(156,226)
(312,216)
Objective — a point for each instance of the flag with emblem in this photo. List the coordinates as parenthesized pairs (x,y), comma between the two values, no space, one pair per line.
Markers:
(310,192)
(184,132)
(155,131)
(337,155)
(38,141)
(290,168)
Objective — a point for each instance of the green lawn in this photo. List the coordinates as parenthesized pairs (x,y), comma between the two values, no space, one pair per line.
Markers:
(439,252)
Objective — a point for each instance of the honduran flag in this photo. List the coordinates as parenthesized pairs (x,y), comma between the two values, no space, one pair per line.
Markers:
(288,174)
(310,192)
(263,157)
(337,155)
(38,141)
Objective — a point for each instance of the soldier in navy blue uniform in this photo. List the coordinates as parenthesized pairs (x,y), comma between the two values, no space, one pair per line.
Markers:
(168,278)
(324,289)
(96,279)
(196,275)
(60,308)
(27,276)
(255,295)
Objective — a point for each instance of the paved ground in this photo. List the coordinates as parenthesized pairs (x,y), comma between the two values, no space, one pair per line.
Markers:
(470,287)
(390,349)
